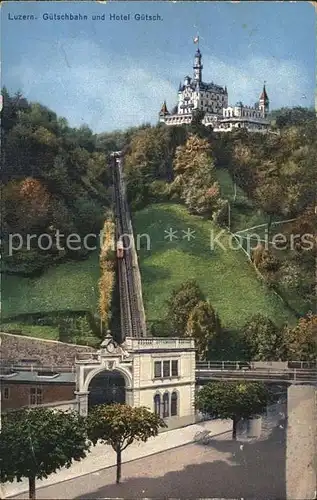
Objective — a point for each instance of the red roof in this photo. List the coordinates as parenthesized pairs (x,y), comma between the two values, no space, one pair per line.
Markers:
(164,110)
(264,95)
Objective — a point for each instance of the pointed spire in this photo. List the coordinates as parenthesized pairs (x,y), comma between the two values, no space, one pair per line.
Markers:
(164,110)
(264,96)
(180,87)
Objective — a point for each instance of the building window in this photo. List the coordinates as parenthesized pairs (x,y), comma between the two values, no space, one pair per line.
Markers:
(6,393)
(166,369)
(174,404)
(157,369)
(157,404)
(174,368)
(36,396)
(166,405)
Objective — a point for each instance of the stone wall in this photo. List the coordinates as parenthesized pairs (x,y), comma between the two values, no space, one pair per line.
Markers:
(301,476)
(63,405)
(16,348)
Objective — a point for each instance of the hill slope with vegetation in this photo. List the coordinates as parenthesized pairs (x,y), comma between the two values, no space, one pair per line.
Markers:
(54,179)
(245,184)
(225,276)
(55,188)
(56,182)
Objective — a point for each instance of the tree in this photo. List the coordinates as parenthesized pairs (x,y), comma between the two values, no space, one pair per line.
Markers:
(202,194)
(203,326)
(263,338)
(34,443)
(53,177)
(149,158)
(269,195)
(286,117)
(26,205)
(194,180)
(197,127)
(241,161)
(181,304)
(120,425)
(188,156)
(301,341)
(234,400)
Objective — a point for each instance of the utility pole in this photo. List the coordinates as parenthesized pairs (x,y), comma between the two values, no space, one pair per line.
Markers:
(229,216)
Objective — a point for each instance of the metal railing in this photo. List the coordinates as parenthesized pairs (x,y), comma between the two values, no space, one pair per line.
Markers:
(269,375)
(205,371)
(157,342)
(255,365)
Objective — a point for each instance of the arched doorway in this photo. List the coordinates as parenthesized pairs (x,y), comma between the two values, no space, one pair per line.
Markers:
(106,387)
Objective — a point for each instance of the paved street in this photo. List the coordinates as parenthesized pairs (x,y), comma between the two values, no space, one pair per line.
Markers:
(102,456)
(215,467)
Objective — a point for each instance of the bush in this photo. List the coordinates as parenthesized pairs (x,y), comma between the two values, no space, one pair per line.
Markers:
(71,328)
(158,191)
(158,329)
(269,262)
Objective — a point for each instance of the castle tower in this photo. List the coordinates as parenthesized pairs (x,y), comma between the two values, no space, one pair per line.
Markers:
(264,102)
(164,112)
(198,67)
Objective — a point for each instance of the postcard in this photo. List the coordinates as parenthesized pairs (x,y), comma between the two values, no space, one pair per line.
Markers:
(158,229)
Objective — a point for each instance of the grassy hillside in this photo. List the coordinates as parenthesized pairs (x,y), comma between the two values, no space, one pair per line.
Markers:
(226,277)
(64,288)
(70,286)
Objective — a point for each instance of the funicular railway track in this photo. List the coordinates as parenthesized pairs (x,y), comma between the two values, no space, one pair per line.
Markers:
(126,325)
(131,323)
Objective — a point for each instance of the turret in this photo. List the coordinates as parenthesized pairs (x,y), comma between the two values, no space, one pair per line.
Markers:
(198,67)
(164,112)
(264,102)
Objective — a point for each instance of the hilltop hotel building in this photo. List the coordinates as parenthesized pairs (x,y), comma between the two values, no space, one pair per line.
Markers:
(194,94)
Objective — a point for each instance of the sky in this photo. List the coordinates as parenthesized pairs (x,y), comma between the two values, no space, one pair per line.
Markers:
(116,74)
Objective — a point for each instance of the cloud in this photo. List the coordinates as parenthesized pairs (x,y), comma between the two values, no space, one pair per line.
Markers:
(87,84)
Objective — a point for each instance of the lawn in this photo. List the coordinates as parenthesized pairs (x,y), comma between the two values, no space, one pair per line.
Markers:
(70,286)
(41,332)
(226,277)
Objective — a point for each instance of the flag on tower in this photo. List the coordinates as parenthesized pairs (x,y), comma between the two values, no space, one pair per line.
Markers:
(196,39)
